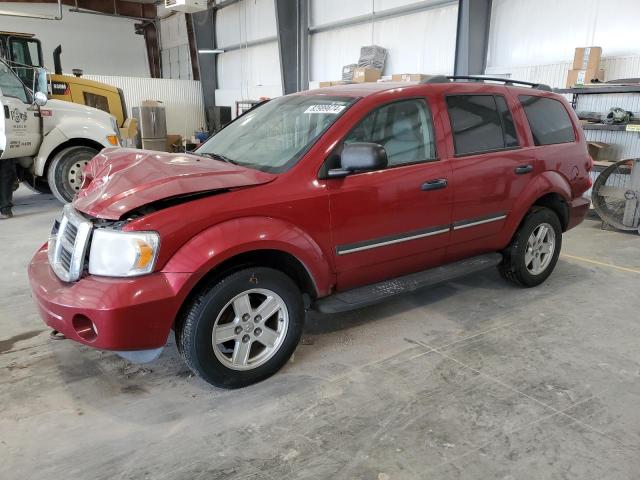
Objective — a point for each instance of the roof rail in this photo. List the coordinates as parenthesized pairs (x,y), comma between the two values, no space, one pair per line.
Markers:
(477,78)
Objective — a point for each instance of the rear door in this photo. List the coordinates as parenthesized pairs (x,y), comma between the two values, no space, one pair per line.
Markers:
(391,222)
(21,118)
(490,168)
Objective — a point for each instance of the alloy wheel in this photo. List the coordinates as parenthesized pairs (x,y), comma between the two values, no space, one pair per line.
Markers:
(540,248)
(250,329)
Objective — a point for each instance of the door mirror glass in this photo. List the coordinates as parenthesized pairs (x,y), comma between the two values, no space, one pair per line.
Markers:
(41,80)
(40,99)
(359,157)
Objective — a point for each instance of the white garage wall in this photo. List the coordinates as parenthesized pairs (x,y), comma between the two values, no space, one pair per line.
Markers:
(540,32)
(98,45)
(250,72)
(422,42)
(174,47)
(182,99)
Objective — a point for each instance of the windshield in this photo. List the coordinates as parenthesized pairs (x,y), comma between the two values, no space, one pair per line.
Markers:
(274,136)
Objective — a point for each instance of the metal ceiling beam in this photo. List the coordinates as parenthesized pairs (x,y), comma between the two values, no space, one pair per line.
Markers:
(472,40)
(120,8)
(292,20)
(388,13)
(204,30)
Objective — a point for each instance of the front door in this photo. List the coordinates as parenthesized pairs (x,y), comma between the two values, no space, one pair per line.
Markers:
(393,221)
(21,119)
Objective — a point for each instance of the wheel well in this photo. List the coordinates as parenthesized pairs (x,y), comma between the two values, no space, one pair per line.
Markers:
(74,142)
(557,204)
(276,259)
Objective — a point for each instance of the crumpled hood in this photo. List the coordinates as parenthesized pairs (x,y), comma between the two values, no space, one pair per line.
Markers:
(119,180)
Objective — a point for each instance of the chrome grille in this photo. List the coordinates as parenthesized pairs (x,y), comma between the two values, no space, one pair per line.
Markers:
(68,244)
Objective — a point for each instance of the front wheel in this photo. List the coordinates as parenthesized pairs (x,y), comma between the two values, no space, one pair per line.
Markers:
(65,172)
(243,328)
(533,253)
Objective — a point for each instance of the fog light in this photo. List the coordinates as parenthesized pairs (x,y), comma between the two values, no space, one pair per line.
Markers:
(85,328)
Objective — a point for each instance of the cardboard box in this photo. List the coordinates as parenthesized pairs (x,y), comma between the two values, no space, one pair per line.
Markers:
(587,58)
(408,77)
(577,78)
(596,149)
(365,74)
(332,83)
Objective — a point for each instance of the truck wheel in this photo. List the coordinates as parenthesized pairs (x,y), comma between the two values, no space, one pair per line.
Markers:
(65,172)
(242,329)
(533,253)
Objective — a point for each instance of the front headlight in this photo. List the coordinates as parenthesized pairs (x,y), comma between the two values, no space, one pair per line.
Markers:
(123,254)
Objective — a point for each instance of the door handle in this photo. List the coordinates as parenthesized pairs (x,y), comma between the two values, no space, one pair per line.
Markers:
(522,169)
(436,184)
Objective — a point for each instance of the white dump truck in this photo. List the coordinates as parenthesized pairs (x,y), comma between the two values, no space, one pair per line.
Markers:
(50,140)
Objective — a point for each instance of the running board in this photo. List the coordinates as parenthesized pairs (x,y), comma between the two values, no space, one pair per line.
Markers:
(379,292)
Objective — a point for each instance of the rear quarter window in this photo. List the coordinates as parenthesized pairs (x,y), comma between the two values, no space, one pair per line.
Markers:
(548,119)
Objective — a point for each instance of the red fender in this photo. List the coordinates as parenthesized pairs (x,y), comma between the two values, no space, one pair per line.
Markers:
(542,184)
(220,242)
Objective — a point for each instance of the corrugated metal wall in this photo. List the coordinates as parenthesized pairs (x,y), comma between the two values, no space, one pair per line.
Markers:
(182,99)
(541,32)
(555,74)
(421,42)
(251,71)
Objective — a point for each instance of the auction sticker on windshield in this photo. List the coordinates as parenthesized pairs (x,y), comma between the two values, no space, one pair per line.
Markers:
(331,109)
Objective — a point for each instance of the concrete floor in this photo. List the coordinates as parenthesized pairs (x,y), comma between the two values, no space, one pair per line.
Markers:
(474,379)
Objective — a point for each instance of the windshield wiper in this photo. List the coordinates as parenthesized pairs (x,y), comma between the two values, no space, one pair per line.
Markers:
(217,156)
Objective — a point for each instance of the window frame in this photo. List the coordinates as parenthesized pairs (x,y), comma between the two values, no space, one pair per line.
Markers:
(494,150)
(341,144)
(564,107)
(27,93)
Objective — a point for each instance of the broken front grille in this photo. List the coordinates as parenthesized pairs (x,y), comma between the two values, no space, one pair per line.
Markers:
(68,244)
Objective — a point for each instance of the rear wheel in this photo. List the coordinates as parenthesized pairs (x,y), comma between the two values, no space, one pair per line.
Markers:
(533,253)
(65,172)
(243,328)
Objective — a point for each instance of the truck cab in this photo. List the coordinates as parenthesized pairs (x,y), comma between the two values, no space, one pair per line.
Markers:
(50,140)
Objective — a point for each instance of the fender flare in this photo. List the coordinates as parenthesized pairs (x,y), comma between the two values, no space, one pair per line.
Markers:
(225,240)
(68,130)
(542,184)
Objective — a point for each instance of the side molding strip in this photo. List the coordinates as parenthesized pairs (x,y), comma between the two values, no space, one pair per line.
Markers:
(414,235)
(459,225)
(384,241)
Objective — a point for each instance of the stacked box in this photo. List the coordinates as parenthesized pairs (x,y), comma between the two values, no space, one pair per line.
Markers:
(586,67)
(372,56)
(347,72)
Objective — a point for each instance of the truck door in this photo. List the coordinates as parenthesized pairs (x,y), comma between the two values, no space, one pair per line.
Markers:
(21,118)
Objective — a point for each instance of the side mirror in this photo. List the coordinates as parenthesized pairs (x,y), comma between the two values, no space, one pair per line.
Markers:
(358,157)
(40,99)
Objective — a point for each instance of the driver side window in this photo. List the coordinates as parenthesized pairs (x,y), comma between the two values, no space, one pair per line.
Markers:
(403,128)
(10,85)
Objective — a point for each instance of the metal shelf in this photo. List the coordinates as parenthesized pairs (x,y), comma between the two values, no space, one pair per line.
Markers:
(600,89)
(602,126)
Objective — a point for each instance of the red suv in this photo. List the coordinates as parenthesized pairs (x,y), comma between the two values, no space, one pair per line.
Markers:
(328,199)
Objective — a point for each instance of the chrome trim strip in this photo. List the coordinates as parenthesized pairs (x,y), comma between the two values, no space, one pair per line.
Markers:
(481,221)
(355,247)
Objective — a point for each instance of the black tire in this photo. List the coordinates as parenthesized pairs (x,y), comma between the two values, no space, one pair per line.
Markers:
(194,333)
(66,163)
(513,267)
(37,185)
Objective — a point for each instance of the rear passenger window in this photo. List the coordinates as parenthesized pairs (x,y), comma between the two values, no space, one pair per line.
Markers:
(549,121)
(480,123)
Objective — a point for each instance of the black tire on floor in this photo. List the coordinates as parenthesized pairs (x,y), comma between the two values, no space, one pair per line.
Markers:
(194,332)
(65,164)
(513,267)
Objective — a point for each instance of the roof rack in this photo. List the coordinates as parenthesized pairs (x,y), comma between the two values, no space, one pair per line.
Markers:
(476,78)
